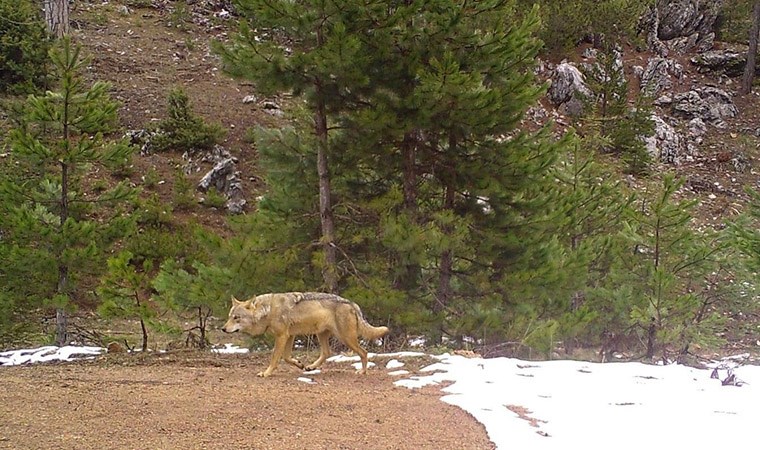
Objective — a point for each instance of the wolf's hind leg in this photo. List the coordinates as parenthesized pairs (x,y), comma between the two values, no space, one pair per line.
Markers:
(324,350)
(286,354)
(352,341)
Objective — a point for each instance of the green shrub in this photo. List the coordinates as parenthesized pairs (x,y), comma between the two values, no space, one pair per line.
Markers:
(214,199)
(24,46)
(160,244)
(152,212)
(139,3)
(565,24)
(151,178)
(183,130)
(183,196)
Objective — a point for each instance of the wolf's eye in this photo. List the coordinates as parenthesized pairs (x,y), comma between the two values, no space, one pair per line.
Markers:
(236,317)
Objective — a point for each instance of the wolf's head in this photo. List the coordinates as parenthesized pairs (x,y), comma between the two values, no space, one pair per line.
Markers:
(239,315)
(246,317)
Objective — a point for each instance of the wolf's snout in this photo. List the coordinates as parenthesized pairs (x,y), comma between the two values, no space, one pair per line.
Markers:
(230,328)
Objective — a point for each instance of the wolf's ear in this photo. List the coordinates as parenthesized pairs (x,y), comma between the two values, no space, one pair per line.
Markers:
(235,301)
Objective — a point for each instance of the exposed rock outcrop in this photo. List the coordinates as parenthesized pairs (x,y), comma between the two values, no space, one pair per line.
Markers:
(686,25)
(225,178)
(666,144)
(567,88)
(728,62)
(656,77)
(708,103)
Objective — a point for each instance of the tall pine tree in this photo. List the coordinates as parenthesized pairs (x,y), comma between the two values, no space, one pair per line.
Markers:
(310,49)
(456,189)
(440,195)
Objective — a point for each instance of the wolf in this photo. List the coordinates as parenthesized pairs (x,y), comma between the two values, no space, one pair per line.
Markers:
(286,315)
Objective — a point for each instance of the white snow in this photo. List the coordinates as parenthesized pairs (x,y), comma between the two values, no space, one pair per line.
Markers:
(46,354)
(229,348)
(394,364)
(571,404)
(565,404)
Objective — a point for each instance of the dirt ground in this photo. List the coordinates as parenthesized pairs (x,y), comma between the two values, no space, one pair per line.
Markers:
(184,400)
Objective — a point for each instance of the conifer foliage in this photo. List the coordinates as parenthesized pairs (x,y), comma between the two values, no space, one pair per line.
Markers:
(668,265)
(413,157)
(52,235)
(23,46)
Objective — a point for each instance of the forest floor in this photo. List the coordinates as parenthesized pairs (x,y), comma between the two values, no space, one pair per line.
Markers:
(201,400)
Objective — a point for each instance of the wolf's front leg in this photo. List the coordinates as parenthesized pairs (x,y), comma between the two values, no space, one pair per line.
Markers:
(280,343)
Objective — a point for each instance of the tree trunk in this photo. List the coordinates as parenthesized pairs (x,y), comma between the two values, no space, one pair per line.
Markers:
(61,319)
(409,151)
(444,293)
(61,327)
(749,69)
(408,278)
(144,330)
(57,17)
(651,340)
(330,269)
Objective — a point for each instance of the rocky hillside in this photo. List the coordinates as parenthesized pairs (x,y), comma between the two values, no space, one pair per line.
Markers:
(146,49)
(704,131)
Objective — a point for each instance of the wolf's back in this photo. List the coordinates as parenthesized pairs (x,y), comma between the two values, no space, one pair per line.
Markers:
(364,329)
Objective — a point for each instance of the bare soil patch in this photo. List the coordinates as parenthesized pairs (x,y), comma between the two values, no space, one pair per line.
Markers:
(206,401)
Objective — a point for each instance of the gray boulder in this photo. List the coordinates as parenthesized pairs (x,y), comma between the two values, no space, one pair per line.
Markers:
(726,61)
(689,19)
(567,88)
(665,144)
(657,75)
(710,104)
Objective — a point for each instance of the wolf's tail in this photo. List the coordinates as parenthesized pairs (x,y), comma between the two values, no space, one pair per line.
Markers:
(366,330)
(369,332)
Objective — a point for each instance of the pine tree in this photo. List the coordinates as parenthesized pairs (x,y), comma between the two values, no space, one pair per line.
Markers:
(593,206)
(24,44)
(310,49)
(667,265)
(621,127)
(439,193)
(565,24)
(125,291)
(49,207)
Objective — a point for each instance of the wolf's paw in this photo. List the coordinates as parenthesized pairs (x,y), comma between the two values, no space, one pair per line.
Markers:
(264,374)
(361,371)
